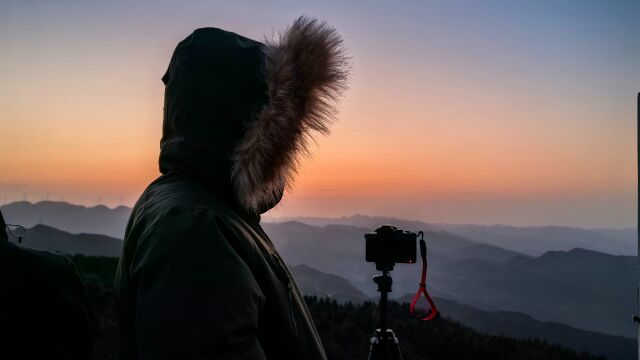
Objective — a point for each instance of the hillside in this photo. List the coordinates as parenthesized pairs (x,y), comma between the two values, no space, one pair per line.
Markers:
(339,249)
(559,286)
(582,288)
(47,238)
(538,240)
(521,326)
(74,219)
(98,272)
(533,241)
(362,221)
(501,323)
(345,329)
(316,283)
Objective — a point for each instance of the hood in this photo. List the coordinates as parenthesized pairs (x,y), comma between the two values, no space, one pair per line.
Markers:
(238,113)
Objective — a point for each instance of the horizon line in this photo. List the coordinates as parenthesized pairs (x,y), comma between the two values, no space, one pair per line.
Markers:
(281,219)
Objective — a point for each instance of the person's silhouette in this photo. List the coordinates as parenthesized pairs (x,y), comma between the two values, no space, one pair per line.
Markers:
(44,310)
(198,277)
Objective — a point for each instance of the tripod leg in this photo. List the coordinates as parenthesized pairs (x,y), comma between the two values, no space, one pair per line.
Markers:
(384,346)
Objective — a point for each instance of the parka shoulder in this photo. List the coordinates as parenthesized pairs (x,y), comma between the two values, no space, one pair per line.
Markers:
(176,215)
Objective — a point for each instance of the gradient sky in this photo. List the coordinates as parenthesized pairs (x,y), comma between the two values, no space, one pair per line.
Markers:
(514,112)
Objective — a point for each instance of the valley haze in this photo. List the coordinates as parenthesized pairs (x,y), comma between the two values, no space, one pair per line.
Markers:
(473,283)
(549,273)
(532,240)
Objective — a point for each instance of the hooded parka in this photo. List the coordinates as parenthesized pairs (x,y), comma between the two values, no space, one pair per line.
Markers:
(198,277)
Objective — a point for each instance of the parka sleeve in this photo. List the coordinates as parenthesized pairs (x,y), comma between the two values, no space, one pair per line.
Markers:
(196,297)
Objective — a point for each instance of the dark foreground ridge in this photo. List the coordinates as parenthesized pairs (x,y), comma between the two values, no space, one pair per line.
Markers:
(346,328)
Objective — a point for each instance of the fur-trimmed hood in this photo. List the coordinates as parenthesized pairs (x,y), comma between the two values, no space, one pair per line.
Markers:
(239,113)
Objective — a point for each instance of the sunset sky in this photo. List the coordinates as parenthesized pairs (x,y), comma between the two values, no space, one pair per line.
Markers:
(513,112)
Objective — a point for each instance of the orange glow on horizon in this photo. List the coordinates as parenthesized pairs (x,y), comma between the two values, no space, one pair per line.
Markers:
(488,122)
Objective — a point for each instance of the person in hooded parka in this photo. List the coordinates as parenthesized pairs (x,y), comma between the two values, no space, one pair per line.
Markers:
(44,309)
(198,277)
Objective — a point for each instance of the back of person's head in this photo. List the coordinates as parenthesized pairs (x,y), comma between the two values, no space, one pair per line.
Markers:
(239,113)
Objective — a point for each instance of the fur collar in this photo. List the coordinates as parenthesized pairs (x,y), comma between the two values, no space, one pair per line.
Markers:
(306,72)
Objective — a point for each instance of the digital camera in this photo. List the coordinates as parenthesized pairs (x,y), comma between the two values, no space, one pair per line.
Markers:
(389,245)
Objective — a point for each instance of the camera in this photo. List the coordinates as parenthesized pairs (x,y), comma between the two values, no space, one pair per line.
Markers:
(389,245)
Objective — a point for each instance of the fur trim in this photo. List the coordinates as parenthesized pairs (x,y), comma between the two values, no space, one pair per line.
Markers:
(307,71)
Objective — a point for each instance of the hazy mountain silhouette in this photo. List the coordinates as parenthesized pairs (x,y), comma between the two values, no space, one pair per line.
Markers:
(528,240)
(363,221)
(47,238)
(582,288)
(585,289)
(68,217)
(506,323)
(316,283)
(339,249)
(533,241)
(538,240)
(344,237)
(521,326)
(345,329)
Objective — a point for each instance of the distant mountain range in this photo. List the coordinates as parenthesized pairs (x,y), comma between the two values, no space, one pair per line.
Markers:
(465,283)
(339,249)
(583,288)
(314,282)
(532,241)
(538,240)
(505,323)
(75,219)
(362,221)
(48,238)
(521,326)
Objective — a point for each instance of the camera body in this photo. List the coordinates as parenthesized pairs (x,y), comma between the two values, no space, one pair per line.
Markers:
(389,245)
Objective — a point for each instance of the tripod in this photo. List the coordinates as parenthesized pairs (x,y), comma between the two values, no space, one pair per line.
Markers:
(384,344)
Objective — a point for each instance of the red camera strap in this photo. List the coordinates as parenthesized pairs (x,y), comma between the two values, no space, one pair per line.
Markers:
(433,311)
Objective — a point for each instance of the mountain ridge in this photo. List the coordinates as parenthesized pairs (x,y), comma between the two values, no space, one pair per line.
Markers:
(530,240)
(45,237)
(559,286)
